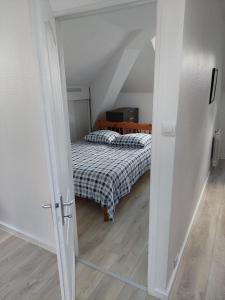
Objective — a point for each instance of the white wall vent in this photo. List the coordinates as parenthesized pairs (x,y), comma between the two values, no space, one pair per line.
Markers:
(74,89)
(77,93)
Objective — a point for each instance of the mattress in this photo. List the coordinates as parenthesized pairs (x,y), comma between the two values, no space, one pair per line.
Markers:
(106,173)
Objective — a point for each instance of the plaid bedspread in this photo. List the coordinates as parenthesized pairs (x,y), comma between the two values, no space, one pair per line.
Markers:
(106,173)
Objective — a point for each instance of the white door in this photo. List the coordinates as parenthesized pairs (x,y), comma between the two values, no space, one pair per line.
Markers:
(62,205)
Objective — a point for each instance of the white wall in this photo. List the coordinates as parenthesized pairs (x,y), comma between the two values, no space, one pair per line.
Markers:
(23,171)
(110,51)
(110,80)
(170,19)
(79,111)
(144,101)
(202,50)
(79,119)
(221,123)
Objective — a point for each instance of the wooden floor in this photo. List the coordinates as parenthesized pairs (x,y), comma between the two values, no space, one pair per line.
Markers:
(201,275)
(94,285)
(119,246)
(28,272)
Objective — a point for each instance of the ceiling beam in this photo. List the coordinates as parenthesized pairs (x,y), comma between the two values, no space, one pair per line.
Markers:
(109,82)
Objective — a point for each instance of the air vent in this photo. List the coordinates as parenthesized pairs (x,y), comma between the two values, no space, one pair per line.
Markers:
(74,89)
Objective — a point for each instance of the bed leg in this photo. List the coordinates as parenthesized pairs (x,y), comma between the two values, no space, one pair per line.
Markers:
(105,214)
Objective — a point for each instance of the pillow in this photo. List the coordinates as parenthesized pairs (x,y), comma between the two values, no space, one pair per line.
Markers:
(101,136)
(133,140)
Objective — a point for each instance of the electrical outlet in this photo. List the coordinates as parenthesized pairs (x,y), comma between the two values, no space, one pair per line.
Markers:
(168,129)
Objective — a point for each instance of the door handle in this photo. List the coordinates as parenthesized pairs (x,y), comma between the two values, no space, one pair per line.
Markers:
(68,203)
(68,216)
(65,204)
(46,206)
(49,205)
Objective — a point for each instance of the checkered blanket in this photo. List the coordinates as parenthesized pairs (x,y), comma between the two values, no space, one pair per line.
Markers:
(106,173)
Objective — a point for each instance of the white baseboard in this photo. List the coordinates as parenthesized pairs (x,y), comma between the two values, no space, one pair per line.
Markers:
(173,276)
(160,294)
(27,237)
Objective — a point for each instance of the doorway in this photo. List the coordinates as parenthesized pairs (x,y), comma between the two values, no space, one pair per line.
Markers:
(155,249)
(121,44)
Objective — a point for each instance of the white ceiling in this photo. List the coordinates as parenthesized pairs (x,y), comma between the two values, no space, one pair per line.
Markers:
(64,7)
(90,42)
(59,5)
(88,46)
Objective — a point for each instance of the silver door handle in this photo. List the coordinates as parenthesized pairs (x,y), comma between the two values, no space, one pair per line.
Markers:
(65,204)
(49,205)
(46,206)
(68,216)
(68,203)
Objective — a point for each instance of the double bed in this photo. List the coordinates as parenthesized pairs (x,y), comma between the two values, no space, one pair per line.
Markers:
(105,173)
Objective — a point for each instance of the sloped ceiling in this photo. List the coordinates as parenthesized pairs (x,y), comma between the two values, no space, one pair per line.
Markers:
(141,77)
(62,7)
(59,5)
(90,42)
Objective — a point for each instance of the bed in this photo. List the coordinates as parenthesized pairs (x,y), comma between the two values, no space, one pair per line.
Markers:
(105,173)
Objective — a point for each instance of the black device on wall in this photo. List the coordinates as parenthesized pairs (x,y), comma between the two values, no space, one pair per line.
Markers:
(213,85)
(123,114)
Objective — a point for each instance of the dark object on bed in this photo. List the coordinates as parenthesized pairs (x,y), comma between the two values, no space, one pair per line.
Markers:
(213,85)
(123,114)
(124,127)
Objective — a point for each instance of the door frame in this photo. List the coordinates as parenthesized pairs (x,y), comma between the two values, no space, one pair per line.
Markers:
(158,233)
(98,8)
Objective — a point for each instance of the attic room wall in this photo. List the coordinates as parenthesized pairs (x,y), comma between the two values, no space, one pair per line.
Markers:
(138,80)
(202,50)
(79,112)
(221,108)
(23,171)
(78,119)
(144,101)
(221,123)
(90,44)
(138,88)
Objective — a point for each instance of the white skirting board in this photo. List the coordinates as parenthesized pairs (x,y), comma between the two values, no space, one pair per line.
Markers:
(27,237)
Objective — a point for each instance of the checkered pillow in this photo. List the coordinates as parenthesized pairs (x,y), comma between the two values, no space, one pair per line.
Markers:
(135,140)
(101,136)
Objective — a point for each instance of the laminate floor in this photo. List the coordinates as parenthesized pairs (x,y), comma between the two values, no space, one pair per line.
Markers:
(94,285)
(120,246)
(201,275)
(28,272)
